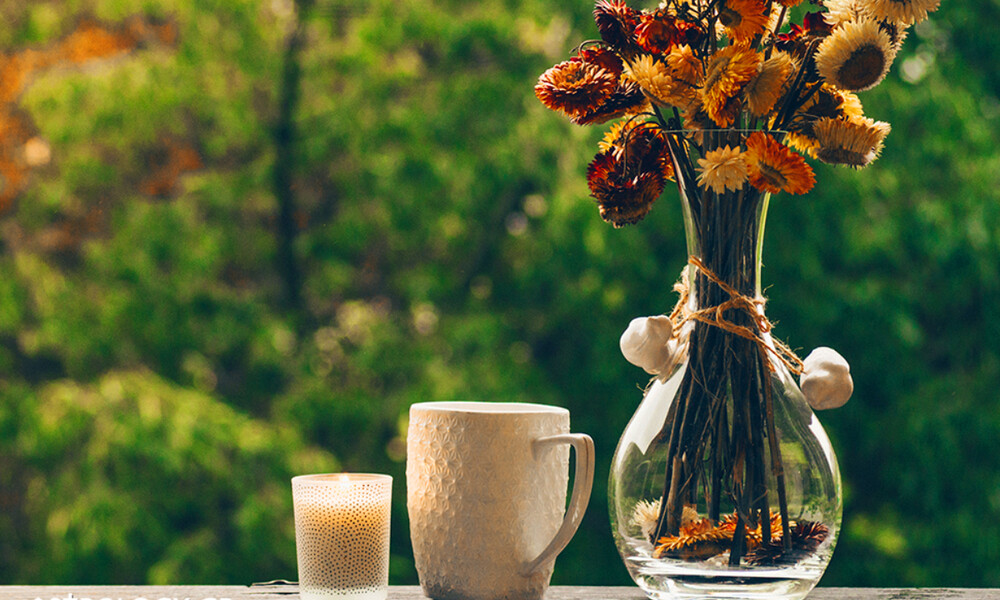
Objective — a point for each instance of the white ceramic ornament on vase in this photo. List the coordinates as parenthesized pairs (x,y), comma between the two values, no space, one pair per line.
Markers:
(649,343)
(826,379)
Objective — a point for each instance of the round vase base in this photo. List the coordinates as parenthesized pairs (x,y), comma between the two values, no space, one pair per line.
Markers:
(741,586)
(726,590)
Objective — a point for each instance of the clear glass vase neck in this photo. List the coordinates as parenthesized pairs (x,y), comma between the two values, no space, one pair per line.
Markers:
(737,260)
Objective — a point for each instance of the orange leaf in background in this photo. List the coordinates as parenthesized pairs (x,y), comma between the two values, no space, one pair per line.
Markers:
(170,162)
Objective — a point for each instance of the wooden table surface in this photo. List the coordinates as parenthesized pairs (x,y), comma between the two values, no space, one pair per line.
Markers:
(288,591)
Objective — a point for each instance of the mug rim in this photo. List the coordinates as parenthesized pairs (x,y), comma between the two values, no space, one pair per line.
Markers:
(490,408)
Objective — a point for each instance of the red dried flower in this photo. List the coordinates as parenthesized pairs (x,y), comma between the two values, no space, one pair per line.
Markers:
(617,22)
(814,25)
(690,34)
(773,167)
(626,99)
(602,57)
(630,175)
(657,32)
(805,536)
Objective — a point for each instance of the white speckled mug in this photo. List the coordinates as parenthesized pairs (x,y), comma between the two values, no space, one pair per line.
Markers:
(486,494)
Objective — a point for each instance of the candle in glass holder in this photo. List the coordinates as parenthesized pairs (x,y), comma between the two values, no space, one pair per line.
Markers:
(342,535)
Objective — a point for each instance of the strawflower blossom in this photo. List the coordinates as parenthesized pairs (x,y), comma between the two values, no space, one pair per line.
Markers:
(722,169)
(773,167)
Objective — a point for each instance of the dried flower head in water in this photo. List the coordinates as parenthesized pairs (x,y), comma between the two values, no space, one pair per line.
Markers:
(698,540)
(806,537)
(645,516)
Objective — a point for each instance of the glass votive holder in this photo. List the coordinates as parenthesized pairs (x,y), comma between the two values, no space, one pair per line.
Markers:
(342,535)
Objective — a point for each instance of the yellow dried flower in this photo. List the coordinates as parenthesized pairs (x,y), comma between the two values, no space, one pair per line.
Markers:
(764,90)
(853,141)
(856,56)
(843,11)
(902,11)
(827,102)
(850,104)
(655,79)
(722,169)
(839,12)
(612,142)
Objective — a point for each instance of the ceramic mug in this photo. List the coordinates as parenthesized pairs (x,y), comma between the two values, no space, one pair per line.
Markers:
(486,495)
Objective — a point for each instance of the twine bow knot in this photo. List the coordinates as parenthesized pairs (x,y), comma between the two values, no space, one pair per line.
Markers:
(714,315)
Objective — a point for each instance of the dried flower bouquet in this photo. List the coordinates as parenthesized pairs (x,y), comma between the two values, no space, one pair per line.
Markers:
(727,98)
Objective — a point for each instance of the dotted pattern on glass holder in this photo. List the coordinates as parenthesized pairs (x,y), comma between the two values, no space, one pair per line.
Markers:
(342,534)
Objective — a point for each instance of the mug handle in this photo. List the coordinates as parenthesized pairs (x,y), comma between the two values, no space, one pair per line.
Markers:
(583,481)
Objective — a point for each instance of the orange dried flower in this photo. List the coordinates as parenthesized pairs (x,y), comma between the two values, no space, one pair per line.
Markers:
(743,19)
(660,82)
(700,540)
(774,167)
(580,85)
(754,535)
(685,65)
(730,69)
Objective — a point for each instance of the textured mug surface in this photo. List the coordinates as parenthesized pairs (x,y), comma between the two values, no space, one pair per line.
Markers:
(486,495)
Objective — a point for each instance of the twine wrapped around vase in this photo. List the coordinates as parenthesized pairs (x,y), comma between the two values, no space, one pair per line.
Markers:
(713,315)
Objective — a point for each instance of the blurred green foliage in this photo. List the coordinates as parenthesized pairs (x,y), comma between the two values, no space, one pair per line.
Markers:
(158,389)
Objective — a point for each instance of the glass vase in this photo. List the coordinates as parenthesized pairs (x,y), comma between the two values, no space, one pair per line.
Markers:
(724,484)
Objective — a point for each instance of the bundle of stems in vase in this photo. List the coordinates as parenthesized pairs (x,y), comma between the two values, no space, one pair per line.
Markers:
(727,98)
